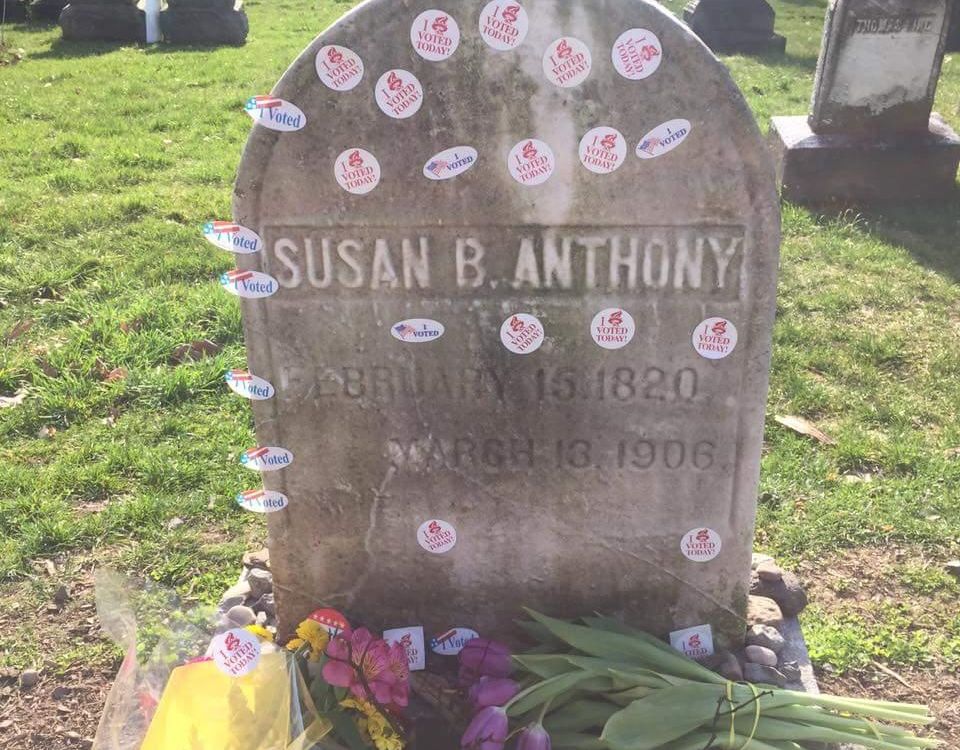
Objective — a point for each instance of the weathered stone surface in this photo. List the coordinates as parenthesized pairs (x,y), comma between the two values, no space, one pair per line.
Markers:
(183,24)
(103,22)
(787,592)
(13,10)
(731,26)
(48,10)
(236,594)
(769,571)
(258,559)
(215,4)
(764,611)
(953,36)
(761,655)
(241,616)
(730,667)
(761,674)
(261,582)
(571,475)
(766,636)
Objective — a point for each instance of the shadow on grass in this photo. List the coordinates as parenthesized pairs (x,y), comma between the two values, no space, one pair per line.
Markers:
(62,49)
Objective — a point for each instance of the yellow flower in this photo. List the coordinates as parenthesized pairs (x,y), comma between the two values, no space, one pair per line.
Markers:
(261,632)
(374,725)
(313,633)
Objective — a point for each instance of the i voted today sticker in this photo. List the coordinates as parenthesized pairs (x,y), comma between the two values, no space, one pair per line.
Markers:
(701,545)
(357,171)
(236,652)
(249,386)
(266,458)
(696,643)
(249,284)
(567,62)
(412,641)
(450,163)
(417,331)
(232,237)
(437,536)
(637,54)
(715,338)
(435,35)
(262,501)
(531,162)
(399,94)
(612,328)
(522,333)
(603,150)
(340,68)
(276,114)
(504,25)
(663,138)
(452,642)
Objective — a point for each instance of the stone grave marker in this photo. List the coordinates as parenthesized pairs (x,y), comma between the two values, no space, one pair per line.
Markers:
(735,26)
(871,134)
(205,22)
(509,275)
(103,20)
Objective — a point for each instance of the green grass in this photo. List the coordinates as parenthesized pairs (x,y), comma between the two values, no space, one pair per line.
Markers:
(112,157)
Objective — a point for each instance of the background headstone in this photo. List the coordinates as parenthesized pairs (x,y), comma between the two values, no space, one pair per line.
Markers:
(13,10)
(47,10)
(204,22)
(953,37)
(103,21)
(732,26)
(444,480)
(871,135)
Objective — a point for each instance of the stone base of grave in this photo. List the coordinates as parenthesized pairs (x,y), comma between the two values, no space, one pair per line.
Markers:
(205,25)
(817,168)
(732,42)
(103,22)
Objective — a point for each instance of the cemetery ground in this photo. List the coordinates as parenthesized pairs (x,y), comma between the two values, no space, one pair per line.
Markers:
(119,441)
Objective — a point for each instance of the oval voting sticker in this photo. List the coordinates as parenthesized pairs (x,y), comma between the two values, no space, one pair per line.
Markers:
(276,114)
(567,62)
(435,35)
(701,545)
(340,68)
(417,330)
(236,652)
(357,171)
(522,334)
(613,328)
(637,54)
(452,642)
(399,94)
(603,150)
(249,386)
(249,284)
(334,622)
(715,338)
(437,536)
(228,235)
(262,501)
(663,138)
(531,162)
(450,163)
(504,25)
(266,459)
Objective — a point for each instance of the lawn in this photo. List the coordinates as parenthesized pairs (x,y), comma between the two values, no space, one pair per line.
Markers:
(112,157)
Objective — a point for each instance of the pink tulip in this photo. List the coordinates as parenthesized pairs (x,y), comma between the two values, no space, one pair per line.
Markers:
(534,737)
(487,731)
(492,691)
(486,658)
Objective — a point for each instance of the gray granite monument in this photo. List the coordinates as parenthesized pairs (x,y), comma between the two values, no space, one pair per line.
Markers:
(46,10)
(12,10)
(205,22)
(511,317)
(103,20)
(735,26)
(871,135)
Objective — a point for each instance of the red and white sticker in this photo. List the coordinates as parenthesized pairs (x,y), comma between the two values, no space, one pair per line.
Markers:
(531,162)
(504,25)
(230,236)
(276,114)
(452,642)
(340,68)
(417,330)
(697,643)
(262,501)
(522,333)
(399,94)
(334,622)
(249,284)
(249,386)
(266,458)
(663,138)
(603,150)
(437,536)
(412,641)
(567,62)
(435,35)
(715,338)
(701,545)
(450,163)
(357,171)
(637,54)
(613,328)
(236,652)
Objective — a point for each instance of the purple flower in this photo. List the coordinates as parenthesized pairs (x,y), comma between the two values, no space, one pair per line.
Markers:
(534,737)
(486,657)
(492,691)
(487,731)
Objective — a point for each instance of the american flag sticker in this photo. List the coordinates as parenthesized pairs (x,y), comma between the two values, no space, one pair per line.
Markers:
(275,113)
(663,139)
(249,386)
(266,458)
(417,330)
(262,501)
(450,163)
(232,237)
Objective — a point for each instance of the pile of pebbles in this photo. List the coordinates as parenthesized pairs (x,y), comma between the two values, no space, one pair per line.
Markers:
(250,600)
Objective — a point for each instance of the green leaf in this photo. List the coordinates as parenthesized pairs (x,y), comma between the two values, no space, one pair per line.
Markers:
(346,730)
(666,715)
(580,715)
(545,691)
(544,665)
(575,741)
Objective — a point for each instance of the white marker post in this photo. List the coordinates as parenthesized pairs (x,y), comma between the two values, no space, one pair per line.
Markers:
(152,9)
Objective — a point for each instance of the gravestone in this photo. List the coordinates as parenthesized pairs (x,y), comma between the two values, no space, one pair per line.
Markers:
(47,10)
(953,36)
(872,134)
(12,10)
(735,26)
(103,21)
(510,317)
(205,22)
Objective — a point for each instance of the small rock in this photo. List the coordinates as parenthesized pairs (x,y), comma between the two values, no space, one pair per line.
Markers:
(769,571)
(61,596)
(730,668)
(260,559)
(953,568)
(788,593)
(29,678)
(761,655)
(236,594)
(175,523)
(267,605)
(261,582)
(759,559)
(764,635)
(762,610)
(261,618)
(241,616)
(73,735)
(791,670)
(60,692)
(762,675)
